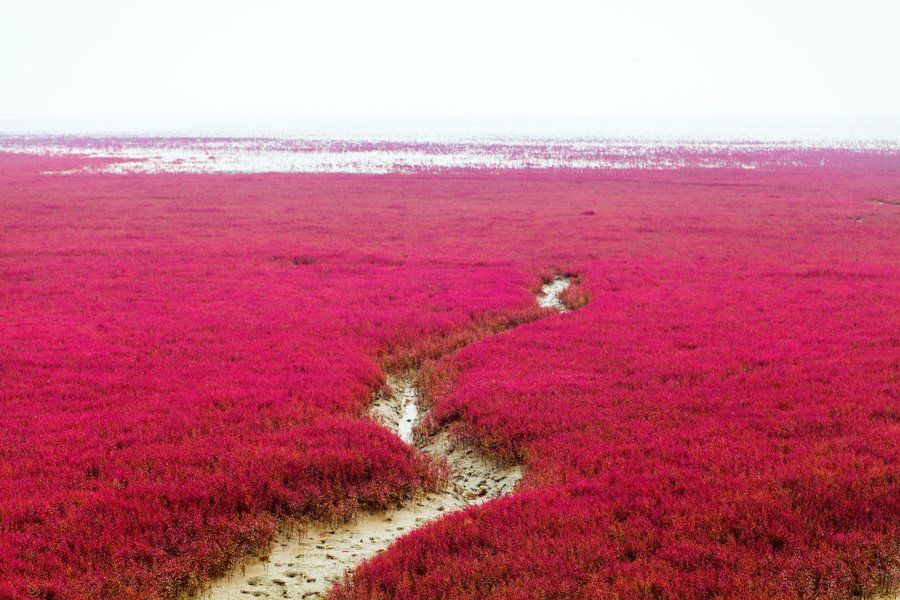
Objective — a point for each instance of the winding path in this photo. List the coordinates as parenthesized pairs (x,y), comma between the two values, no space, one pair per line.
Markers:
(305,564)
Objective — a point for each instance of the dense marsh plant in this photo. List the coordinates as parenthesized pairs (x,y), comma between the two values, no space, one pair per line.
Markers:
(185,359)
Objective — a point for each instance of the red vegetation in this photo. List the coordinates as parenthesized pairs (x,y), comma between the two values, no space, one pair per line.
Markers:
(185,359)
(719,421)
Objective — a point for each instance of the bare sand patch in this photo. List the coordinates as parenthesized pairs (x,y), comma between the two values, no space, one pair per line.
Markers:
(551,294)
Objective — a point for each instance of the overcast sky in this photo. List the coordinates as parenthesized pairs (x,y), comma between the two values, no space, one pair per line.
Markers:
(444,61)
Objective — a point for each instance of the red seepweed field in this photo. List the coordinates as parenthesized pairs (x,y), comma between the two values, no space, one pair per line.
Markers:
(186,361)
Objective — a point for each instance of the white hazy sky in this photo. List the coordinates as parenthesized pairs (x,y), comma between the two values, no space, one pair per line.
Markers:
(424,61)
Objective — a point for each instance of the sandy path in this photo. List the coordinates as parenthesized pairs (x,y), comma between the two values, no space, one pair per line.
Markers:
(304,564)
